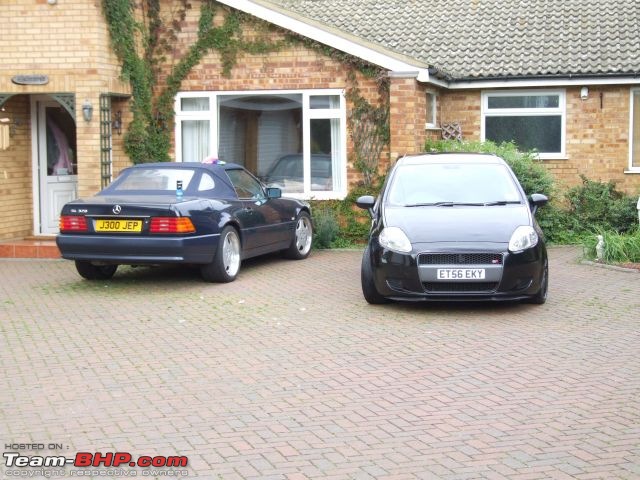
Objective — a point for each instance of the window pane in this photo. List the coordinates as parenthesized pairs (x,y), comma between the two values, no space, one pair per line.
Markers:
(544,133)
(194,104)
(245,185)
(431,109)
(206,183)
(324,101)
(195,140)
(287,174)
(264,134)
(635,152)
(325,154)
(524,101)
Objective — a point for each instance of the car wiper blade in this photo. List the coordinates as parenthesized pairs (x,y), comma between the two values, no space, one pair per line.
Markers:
(444,204)
(501,202)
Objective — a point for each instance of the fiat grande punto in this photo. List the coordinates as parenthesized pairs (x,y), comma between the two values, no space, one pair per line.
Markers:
(454,226)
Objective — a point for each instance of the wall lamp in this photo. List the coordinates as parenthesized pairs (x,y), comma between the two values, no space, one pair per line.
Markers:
(117,122)
(87,110)
(584,93)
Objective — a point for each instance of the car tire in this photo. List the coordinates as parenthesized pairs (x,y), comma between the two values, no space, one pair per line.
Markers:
(541,297)
(226,262)
(90,271)
(371,294)
(302,238)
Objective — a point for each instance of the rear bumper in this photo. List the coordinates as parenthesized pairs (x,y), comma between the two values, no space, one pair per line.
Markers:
(138,250)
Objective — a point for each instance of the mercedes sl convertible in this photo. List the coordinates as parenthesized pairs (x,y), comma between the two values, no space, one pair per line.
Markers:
(209,215)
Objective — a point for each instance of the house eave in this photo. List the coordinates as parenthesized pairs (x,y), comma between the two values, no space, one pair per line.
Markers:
(528,81)
(332,37)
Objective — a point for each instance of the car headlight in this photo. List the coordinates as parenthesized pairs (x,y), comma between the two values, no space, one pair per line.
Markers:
(393,238)
(522,238)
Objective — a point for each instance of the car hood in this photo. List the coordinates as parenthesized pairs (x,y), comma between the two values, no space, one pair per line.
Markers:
(459,223)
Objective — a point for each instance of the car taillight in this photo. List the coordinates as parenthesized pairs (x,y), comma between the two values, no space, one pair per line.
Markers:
(73,223)
(171,225)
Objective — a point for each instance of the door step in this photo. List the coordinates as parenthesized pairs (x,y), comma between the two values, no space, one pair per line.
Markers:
(32,247)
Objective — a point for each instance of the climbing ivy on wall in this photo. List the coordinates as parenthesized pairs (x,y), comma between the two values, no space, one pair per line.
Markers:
(144,40)
(368,123)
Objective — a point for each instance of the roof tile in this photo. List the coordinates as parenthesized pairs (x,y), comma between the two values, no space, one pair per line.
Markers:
(493,38)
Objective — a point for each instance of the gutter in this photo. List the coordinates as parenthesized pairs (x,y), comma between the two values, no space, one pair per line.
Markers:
(537,80)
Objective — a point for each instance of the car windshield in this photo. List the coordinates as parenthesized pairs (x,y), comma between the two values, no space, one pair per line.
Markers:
(153,179)
(448,184)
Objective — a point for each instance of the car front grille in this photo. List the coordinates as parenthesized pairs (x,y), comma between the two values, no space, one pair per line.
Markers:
(460,259)
(459,287)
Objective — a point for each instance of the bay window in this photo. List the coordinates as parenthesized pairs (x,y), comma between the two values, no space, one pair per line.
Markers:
(295,140)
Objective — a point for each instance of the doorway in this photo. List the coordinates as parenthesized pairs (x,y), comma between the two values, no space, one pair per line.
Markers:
(57,165)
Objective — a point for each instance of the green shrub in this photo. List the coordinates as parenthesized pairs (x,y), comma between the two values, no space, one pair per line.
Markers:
(325,225)
(599,206)
(618,248)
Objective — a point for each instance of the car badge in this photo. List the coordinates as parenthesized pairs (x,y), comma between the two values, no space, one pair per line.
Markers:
(116,209)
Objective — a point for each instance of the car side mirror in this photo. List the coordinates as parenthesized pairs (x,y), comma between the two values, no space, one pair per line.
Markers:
(366,202)
(274,192)
(537,200)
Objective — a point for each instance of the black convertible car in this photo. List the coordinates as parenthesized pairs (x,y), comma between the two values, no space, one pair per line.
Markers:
(454,227)
(211,215)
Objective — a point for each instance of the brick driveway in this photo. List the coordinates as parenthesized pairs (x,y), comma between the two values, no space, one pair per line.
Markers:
(288,373)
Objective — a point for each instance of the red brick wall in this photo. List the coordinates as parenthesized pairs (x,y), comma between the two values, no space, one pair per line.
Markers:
(597,137)
(294,67)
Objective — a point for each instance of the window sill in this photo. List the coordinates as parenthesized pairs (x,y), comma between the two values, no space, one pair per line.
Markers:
(555,157)
(633,171)
(429,126)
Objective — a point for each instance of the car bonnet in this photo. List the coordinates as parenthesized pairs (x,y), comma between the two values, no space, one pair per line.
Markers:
(431,224)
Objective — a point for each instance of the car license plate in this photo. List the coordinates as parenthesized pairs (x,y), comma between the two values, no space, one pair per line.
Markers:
(118,225)
(461,274)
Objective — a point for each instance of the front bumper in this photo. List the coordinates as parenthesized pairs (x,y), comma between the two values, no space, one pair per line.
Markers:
(130,250)
(403,277)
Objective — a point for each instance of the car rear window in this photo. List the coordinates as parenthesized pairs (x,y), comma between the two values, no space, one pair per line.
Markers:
(452,182)
(156,179)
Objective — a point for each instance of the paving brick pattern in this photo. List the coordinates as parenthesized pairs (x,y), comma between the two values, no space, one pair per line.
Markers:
(288,374)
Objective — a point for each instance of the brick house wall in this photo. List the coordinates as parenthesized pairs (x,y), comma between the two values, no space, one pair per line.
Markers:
(15,172)
(597,137)
(294,67)
(69,43)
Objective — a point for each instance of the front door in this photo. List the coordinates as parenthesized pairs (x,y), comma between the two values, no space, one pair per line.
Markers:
(57,162)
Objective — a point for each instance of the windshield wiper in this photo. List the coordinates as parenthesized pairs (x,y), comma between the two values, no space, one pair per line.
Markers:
(464,204)
(445,204)
(501,202)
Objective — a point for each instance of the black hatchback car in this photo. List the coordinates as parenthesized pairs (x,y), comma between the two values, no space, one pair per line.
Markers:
(454,226)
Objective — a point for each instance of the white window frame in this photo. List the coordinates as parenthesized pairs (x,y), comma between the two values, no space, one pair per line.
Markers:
(307,115)
(433,114)
(632,168)
(506,112)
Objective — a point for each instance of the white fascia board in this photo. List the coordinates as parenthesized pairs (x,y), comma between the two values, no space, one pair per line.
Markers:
(542,82)
(327,38)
